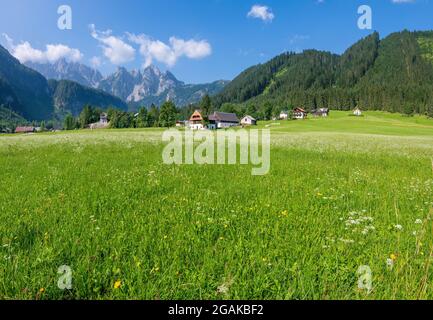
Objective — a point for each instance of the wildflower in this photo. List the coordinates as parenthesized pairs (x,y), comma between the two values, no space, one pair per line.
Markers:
(399,227)
(223,289)
(390,263)
(418,221)
(41,290)
(393,257)
(117,284)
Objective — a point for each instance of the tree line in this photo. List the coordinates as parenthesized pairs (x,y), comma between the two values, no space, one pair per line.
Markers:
(164,116)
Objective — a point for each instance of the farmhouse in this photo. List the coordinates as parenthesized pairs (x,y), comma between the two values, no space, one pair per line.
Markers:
(102,124)
(299,113)
(248,121)
(321,112)
(25,129)
(284,115)
(222,120)
(196,122)
(357,112)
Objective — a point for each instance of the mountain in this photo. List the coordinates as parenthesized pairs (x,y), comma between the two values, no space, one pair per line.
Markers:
(144,87)
(28,94)
(70,97)
(64,70)
(393,74)
(23,89)
(137,87)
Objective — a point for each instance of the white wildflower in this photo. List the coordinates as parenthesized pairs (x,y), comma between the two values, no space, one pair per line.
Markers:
(389,263)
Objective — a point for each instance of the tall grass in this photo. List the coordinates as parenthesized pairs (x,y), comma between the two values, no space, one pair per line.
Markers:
(131,227)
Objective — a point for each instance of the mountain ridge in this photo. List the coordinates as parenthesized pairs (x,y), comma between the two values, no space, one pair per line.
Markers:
(136,87)
(30,95)
(392,74)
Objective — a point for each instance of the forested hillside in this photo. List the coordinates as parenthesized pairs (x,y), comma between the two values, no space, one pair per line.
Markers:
(23,89)
(71,97)
(394,74)
(30,96)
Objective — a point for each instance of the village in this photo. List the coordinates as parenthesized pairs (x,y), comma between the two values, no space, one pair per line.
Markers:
(223,120)
(215,121)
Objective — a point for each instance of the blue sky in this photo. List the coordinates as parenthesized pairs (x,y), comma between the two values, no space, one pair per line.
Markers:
(210,39)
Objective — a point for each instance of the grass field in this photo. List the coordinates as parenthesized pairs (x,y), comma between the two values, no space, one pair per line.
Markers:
(342,192)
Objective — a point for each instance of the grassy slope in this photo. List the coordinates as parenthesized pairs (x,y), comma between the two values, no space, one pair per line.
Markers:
(103,203)
(372,122)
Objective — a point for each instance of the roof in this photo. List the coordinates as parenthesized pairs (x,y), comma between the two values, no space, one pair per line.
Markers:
(24,129)
(196,116)
(224,117)
(249,117)
(299,110)
(321,110)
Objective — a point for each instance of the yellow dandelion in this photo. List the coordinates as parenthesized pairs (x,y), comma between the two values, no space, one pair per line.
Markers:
(41,290)
(117,284)
(393,257)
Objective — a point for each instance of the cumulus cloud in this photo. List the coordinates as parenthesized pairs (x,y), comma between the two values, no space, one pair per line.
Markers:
(169,53)
(114,48)
(261,12)
(24,52)
(95,62)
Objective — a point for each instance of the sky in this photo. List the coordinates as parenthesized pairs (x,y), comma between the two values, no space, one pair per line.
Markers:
(197,40)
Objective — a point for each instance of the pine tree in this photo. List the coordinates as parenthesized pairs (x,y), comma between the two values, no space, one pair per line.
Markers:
(167,116)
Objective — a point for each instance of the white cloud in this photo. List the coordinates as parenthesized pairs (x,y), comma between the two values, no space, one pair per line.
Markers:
(261,12)
(403,1)
(114,48)
(95,62)
(24,52)
(170,53)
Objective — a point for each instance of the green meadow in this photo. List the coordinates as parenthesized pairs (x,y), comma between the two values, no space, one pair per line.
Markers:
(342,193)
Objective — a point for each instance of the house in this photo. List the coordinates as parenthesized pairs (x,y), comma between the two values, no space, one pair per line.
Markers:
(102,124)
(103,118)
(248,121)
(223,120)
(321,112)
(357,112)
(25,129)
(299,113)
(182,123)
(284,115)
(196,122)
